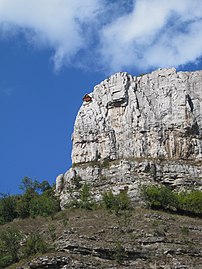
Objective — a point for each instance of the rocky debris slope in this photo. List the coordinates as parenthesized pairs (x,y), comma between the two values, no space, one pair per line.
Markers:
(138,130)
(134,239)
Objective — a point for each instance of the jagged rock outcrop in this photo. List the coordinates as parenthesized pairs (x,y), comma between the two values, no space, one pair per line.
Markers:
(138,130)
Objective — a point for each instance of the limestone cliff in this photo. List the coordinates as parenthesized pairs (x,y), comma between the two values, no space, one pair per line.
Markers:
(138,130)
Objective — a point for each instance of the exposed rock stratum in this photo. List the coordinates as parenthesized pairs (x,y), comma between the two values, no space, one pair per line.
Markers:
(135,131)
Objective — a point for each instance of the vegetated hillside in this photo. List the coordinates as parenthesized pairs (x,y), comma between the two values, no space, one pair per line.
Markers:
(137,238)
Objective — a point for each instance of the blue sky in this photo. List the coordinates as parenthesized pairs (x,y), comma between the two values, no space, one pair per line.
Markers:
(52,52)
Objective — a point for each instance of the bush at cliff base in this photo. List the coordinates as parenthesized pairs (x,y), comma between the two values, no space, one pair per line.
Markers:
(161,197)
(117,202)
(191,202)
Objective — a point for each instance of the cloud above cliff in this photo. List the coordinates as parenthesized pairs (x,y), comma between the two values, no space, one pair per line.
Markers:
(157,33)
(108,34)
(60,25)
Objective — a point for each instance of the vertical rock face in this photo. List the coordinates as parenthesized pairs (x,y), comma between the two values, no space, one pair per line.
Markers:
(138,130)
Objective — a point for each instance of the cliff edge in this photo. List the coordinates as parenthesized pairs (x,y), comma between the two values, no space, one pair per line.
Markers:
(134,131)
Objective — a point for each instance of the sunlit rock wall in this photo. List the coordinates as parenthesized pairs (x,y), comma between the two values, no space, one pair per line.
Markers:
(138,130)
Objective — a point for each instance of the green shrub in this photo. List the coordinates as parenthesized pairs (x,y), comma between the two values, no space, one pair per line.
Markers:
(160,197)
(184,230)
(85,194)
(191,202)
(124,200)
(5,260)
(23,204)
(33,203)
(10,240)
(119,253)
(34,244)
(117,202)
(37,199)
(52,231)
(109,200)
(85,200)
(187,202)
(44,205)
(7,208)
(77,182)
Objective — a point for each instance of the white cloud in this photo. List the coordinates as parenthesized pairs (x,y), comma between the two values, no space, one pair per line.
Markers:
(53,23)
(140,35)
(157,33)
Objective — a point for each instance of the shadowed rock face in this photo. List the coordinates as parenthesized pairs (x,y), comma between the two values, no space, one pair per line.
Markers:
(138,130)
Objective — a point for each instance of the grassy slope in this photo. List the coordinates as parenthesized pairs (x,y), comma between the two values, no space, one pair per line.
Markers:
(163,239)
